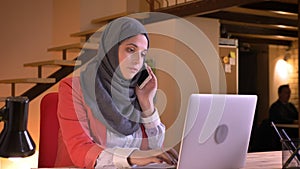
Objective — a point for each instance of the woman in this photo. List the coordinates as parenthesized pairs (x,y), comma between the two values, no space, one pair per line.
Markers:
(105,119)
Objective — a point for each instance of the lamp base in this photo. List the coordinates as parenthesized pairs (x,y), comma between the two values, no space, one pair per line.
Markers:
(16,144)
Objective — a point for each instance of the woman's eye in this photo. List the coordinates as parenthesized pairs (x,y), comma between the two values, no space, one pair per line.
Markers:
(130,50)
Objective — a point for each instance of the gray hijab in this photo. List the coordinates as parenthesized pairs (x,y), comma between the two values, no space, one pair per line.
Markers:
(112,98)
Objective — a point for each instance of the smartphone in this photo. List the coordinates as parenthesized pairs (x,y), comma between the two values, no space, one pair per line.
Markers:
(144,78)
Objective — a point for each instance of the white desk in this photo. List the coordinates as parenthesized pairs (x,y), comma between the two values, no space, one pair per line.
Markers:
(264,160)
(259,160)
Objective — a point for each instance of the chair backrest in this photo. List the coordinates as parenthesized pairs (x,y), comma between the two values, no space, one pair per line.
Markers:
(49,127)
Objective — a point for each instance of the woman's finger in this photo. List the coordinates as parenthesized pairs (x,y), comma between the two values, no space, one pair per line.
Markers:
(168,158)
(164,157)
(174,154)
(150,71)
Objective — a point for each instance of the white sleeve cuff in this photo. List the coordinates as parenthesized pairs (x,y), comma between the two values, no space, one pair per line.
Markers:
(105,159)
(120,157)
(151,121)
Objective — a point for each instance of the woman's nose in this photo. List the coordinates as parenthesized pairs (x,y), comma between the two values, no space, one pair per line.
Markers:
(137,57)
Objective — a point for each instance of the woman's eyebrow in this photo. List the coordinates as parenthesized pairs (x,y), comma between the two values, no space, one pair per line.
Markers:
(133,44)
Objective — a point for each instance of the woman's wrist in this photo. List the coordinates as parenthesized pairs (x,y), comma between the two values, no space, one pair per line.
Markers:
(147,108)
(148,111)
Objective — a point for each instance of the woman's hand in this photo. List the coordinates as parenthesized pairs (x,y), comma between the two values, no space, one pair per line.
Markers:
(146,94)
(142,158)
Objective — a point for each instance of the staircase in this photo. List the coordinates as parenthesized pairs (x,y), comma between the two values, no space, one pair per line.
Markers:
(87,51)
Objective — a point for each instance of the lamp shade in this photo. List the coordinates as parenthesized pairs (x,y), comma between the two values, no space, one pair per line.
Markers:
(15,141)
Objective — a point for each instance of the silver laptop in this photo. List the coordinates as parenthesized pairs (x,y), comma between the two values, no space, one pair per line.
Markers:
(217,131)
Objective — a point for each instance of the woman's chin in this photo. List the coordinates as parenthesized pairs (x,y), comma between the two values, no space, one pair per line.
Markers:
(129,77)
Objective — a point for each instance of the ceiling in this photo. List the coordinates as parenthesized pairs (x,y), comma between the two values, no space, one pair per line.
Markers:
(249,21)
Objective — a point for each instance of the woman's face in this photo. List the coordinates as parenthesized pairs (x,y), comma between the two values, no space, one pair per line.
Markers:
(132,52)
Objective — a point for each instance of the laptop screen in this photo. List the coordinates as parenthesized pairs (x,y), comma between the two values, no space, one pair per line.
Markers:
(217,131)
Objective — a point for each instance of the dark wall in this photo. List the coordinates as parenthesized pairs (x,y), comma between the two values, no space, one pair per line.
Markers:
(254,76)
(254,79)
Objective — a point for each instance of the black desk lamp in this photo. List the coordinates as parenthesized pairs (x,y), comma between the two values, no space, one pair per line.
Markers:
(15,141)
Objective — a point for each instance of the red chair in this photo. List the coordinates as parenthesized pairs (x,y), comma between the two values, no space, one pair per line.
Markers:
(48,130)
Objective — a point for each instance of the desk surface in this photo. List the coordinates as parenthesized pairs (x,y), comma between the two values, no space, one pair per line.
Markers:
(258,160)
(265,160)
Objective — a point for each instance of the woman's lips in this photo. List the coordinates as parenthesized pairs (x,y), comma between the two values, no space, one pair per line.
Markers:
(133,70)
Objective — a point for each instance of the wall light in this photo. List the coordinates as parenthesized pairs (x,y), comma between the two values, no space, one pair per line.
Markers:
(283,69)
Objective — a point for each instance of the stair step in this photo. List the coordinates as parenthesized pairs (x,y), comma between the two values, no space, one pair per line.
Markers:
(108,18)
(29,80)
(3,99)
(54,63)
(66,47)
(74,46)
(85,33)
